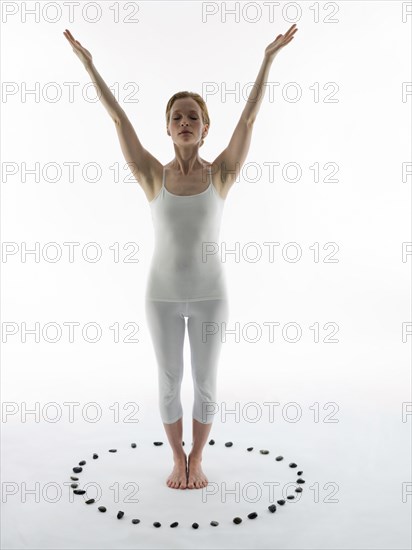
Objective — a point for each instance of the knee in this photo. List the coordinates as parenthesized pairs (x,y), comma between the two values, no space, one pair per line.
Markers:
(170,389)
(205,386)
(170,382)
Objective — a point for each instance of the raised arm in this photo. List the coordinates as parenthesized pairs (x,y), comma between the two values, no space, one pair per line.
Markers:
(230,161)
(142,164)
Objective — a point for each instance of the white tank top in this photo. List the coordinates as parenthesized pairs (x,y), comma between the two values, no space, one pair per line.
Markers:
(185,229)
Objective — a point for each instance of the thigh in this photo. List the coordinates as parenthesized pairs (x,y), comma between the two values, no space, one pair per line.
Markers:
(167,329)
(206,321)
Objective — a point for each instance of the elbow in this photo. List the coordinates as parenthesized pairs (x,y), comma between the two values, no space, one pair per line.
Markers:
(249,120)
(118,116)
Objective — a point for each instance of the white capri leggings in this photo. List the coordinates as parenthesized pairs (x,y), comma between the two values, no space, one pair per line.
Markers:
(166,321)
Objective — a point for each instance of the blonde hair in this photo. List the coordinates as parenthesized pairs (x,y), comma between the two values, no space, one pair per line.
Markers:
(199,100)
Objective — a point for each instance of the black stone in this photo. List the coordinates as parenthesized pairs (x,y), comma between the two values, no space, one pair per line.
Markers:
(212,442)
(290,497)
(157,443)
(264,452)
(281,502)
(300,472)
(298,490)
(252,515)
(77,469)
(79,492)
(292,465)
(228,444)
(157,524)
(300,480)
(95,456)
(135,521)
(272,508)
(183,443)
(195,525)
(237,520)
(74,478)
(214,523)
(112,450)
(102,508)
(250,448)
(279,458)
(120,514)
(133,445)
(74,485)
(82,463)
(90,501)
(174,524)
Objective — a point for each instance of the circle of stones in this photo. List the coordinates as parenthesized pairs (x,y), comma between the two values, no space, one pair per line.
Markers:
(236,520)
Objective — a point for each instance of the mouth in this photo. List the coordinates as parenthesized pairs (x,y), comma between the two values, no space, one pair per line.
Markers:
(186,132)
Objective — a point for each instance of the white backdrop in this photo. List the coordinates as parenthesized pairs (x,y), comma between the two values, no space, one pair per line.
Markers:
(334,126)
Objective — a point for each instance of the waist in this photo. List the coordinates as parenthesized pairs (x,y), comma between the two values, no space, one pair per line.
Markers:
(171,281)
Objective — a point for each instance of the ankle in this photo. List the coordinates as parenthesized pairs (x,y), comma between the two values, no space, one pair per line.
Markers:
(179,457)
(195,456)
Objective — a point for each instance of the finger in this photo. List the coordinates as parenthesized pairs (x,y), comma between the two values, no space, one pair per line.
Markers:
(290,30)
(70,40)
(72,37)
(287,38)
(68,36)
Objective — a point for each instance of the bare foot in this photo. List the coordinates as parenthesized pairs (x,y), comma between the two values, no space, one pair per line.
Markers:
(196,477)
(178,477)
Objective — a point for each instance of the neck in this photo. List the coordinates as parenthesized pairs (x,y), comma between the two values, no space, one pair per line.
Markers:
(187,160)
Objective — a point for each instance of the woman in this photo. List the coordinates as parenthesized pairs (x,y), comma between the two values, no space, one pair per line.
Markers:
(186,277)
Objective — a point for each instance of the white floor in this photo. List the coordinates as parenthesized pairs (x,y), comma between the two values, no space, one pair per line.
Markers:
(352,498)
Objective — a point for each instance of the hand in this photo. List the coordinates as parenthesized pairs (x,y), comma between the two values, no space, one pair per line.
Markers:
(84,55)
(281,41)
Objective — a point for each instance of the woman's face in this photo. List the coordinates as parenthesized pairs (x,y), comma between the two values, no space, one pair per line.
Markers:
(185,122)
